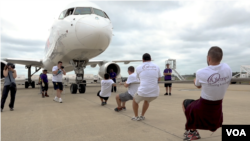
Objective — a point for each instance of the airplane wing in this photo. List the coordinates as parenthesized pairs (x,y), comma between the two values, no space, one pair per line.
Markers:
(26,62)
(100,62)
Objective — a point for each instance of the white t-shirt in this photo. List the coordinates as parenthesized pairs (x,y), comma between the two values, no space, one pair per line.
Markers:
(214,81)
(148,74)
(106,87)
(132,89)
(59,76)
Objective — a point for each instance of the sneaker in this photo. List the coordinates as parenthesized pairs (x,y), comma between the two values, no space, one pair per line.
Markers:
(118,109)
(56,99)
(192,136)
(136,118)
(142,117)
(42,95)
(103,103)
(166,94)
(169,94)
(124,108)
(11,109)
(1,110)
(60,100)
(186,133)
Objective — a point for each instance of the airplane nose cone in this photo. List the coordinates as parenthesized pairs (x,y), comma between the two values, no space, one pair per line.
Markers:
(94,32)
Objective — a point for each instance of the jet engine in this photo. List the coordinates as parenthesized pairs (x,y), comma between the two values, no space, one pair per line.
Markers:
(3,64)
(105,68)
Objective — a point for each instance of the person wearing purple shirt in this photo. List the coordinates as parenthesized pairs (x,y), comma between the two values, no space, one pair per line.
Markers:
(112,75)
(167,73)
(44,79)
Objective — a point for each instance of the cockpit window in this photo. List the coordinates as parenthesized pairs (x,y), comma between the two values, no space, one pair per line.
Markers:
(69,12)
(62,14)
(82,11)
(99,12)
(106,15)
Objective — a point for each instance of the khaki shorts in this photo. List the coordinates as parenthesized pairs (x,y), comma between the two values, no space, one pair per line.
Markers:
(138,98)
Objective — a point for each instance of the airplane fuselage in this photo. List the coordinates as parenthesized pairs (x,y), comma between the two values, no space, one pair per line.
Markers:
(77,37)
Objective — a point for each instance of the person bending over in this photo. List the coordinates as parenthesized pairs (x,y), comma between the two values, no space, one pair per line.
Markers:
(132,89)
(58,71)
(206,112)
(105,92)
(149,74)
(44,84)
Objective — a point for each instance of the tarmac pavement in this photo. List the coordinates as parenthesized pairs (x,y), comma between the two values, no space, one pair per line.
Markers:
(82,118)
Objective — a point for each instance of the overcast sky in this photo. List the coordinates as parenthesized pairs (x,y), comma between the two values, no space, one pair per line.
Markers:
(165,29)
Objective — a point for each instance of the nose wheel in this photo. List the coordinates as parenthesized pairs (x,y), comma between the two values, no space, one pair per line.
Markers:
(73,88)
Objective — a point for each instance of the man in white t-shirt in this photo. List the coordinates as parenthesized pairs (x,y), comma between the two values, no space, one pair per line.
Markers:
(57,72)
(149,74)
(132,89)
(206,112)
(106,86)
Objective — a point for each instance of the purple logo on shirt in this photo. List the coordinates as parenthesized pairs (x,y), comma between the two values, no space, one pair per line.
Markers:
(216,78)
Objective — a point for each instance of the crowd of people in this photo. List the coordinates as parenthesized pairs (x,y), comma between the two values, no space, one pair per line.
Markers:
(142,83)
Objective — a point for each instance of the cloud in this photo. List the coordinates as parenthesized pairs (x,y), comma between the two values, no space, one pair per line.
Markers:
(166,29)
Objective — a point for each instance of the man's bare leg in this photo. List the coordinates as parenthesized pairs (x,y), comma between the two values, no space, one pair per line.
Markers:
(145,107)
(58,93)
(169,88)
(166,89)
(118,101)
(101,99)
(123,104)
(135,108)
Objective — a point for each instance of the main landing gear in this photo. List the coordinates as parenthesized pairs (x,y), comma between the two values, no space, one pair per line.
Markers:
(79,71)
(30,82)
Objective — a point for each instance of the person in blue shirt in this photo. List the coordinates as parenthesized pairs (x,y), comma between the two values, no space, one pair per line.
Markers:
(112,75)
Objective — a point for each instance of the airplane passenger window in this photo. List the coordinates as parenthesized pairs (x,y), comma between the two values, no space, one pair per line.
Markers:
(99,12)
(82,11)
(62,14)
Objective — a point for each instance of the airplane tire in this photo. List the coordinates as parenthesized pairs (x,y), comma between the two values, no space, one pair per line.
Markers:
(26,84)
(84,81)
(73,88)
(33,84)
(82,88)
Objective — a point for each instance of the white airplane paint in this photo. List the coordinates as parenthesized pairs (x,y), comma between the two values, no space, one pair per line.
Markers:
(82,31)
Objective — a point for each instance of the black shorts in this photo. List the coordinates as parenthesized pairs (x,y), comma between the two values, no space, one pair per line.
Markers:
(45,88)
(168,84)
(105,98)
(58,85)
(186,102)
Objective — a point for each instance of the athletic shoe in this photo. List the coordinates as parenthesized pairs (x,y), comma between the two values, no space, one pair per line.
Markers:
(42,95)
(186,133)
(192,136)
(142,117)
(118,109)
(11,109)
(1,110)
(169,94)
(103,103)
(124,108)
(136,118)
(166,94)
(60,100)
(56,99)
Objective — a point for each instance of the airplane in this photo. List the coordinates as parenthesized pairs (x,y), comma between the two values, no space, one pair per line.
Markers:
(82,31)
